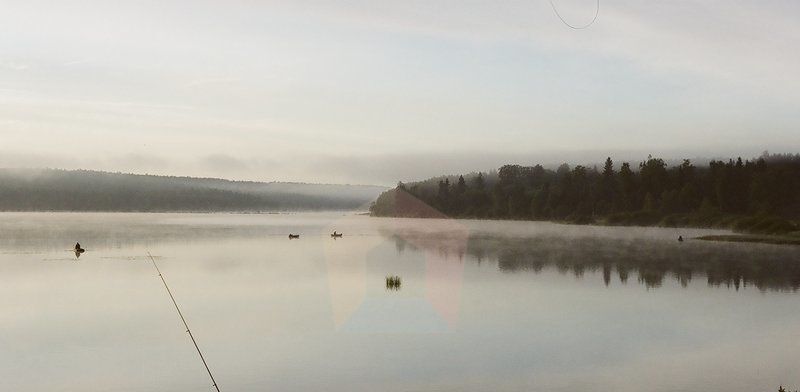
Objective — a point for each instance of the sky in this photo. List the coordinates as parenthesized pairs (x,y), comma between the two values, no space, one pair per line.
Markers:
(376,91)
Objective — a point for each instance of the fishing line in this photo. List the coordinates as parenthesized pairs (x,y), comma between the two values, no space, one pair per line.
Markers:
(596,12)
(184,321)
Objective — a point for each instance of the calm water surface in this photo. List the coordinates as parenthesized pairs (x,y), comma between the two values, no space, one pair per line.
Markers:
(500,306)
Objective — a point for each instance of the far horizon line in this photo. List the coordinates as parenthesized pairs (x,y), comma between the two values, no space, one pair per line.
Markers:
(177,176)
(547,162)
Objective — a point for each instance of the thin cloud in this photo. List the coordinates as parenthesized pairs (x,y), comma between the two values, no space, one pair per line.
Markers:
(204,82)
(14,65)
(77,62)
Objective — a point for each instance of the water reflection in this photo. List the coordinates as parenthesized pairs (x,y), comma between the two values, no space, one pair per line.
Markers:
(767,267)
(45,232)
(481,306)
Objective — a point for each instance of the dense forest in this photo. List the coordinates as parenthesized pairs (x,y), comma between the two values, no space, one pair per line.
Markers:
(84,190)
(759,195)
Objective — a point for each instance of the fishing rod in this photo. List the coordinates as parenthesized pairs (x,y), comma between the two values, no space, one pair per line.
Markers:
(202,358)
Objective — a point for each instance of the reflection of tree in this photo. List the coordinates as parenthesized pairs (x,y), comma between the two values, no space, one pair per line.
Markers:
(765,267)
(623,273)
(400,244)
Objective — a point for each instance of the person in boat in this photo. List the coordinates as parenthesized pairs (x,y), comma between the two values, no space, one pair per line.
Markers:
(78,250)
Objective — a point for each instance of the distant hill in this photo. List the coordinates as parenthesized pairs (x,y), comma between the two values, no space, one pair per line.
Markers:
(87,190)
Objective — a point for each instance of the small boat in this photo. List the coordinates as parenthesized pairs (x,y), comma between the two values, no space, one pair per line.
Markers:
(78,250)
(294,236)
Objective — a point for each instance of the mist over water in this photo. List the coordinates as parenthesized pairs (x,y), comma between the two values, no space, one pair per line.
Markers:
(229,151)
(508,306)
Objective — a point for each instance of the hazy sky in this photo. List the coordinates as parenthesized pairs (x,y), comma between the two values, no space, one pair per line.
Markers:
(374,91)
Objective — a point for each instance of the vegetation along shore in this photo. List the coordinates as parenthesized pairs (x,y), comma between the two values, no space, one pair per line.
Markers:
(756,196)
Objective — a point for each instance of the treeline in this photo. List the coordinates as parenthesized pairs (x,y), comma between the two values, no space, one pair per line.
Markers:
(759,195)
(84,190)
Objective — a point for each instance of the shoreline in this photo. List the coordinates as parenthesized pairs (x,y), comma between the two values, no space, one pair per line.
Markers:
(753,238)
(599,222)
(774,239)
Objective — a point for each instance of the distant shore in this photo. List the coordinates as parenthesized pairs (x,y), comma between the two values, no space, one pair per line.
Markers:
(790,238)
(761,239)
(759,197)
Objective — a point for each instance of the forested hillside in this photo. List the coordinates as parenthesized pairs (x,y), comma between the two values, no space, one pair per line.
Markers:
(83,190)
(758,195)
